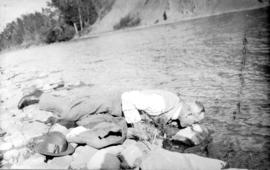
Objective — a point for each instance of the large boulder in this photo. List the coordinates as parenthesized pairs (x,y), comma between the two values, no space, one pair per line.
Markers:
(160,159)
(131,157)
(103,160)
(81,156)
(60,162)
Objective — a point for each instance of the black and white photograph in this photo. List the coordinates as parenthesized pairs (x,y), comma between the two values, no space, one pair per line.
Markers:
(135,84)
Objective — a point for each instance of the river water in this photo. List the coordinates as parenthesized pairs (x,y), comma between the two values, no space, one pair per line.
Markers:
(223,61)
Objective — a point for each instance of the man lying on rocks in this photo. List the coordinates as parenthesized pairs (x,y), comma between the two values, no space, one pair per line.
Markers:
(101,125)
(140,108)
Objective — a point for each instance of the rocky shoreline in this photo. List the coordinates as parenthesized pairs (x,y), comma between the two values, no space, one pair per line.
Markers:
(21,130)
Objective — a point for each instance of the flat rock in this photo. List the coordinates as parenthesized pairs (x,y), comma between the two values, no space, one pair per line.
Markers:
(160,159)
(81,156)
(104,161)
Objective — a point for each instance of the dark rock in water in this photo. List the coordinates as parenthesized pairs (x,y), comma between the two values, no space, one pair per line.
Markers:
(30,99)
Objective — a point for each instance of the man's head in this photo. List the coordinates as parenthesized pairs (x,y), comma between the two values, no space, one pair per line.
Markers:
(192,112)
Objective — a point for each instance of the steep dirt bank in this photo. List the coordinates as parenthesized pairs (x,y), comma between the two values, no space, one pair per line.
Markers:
(152,12)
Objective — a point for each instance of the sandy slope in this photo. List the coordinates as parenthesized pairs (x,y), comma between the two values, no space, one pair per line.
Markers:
(151,11)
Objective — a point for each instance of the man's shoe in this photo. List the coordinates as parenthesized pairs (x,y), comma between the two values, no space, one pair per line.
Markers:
(30,99)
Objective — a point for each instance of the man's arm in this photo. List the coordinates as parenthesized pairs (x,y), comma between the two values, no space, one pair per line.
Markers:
(129,101)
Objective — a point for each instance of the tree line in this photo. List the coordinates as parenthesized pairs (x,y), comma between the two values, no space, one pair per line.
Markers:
(60,21)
